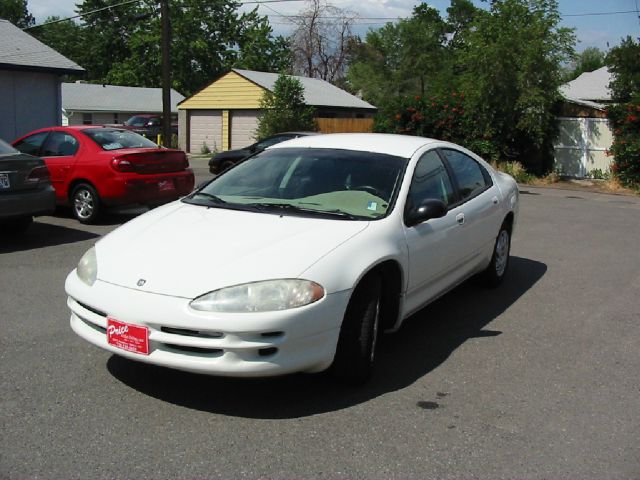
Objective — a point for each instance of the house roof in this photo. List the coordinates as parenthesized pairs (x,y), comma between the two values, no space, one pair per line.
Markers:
(90,97)
(21,51)
(589,87)
(317,93)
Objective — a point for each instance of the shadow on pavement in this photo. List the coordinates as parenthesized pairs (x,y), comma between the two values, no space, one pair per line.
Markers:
(109,217)
(40,235)
(423,343)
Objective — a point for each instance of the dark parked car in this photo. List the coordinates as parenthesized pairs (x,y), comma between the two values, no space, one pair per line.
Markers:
(25,189)
(148,125)
(223,160)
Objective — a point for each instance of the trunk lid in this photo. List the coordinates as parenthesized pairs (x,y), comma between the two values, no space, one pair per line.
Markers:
(150,161)
(19,172)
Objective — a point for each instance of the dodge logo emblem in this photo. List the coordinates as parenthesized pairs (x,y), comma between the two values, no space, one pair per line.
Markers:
(141,282)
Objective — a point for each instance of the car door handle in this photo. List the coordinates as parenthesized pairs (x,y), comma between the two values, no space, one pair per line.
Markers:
(495,200)
(460,218)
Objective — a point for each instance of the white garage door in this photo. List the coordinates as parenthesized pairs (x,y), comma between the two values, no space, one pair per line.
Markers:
(205,129)
(243,127)
(582,146)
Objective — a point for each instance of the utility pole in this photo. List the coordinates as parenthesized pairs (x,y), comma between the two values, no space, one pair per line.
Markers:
(166,73)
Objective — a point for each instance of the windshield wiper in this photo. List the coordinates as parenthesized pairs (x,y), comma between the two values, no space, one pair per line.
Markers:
(212,200)
(299,209)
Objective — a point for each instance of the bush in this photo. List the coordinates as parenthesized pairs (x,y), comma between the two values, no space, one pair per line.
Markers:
(516,170)
(625,120)
(204,150)
(284,109)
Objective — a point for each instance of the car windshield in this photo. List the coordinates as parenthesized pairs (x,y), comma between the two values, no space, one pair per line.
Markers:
(113,139)
(5,148)
(136,121)
(342,184)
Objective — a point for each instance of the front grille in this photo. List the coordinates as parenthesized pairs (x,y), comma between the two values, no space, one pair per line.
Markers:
(97,328)
(213,352)
(191,333)
(91,309)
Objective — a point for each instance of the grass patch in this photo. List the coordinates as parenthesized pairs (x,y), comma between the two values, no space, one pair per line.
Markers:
(516,170)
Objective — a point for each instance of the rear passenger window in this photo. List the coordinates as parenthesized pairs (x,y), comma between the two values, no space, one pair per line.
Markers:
(472,178)
(31,145)
(60,144)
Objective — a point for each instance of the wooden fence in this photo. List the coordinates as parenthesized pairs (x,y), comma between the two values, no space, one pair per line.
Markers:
(344,125)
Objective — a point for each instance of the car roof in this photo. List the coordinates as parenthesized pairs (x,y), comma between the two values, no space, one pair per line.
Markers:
(389,144)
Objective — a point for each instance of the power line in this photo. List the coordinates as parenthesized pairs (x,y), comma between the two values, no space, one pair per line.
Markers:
(596,14)
(251,2)
(83,14)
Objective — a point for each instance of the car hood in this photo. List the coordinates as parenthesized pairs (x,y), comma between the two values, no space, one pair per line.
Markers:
(187,250)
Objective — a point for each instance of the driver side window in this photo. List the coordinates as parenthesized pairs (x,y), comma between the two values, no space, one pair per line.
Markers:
(430,181)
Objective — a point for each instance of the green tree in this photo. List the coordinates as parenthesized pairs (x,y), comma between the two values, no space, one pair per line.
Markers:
(588,60)
(66,37)
(16,12)
(624,64)
(402,58)
(122,44)
(512,61)
(284,109)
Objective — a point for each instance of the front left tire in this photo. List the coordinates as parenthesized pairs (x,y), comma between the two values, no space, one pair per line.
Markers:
(355,353)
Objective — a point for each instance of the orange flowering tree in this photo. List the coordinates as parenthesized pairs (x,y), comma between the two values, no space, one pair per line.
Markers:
(625,114)
(625,119)
(441,116)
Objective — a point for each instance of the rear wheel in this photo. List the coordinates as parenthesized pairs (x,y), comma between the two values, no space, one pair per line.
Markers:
(85,203)
(356,349)
(495,272)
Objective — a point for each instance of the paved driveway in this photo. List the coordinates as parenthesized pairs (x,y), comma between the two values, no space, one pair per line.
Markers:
(538,379)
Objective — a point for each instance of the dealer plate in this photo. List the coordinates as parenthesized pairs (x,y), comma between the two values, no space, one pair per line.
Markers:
(4,181)
(166,185)
(132,338)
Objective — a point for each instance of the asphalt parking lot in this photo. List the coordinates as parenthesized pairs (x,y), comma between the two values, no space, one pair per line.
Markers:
(535,380)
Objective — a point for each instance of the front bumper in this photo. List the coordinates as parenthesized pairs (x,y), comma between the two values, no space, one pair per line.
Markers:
(241,345)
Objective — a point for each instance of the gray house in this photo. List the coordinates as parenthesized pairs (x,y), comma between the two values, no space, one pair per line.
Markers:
(91,104)
(30,78)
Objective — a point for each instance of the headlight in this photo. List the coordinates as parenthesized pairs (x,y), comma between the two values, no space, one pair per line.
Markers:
(88,267)
(266,296)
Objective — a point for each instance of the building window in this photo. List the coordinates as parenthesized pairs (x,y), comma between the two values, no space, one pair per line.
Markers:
(87,119)
(115,117)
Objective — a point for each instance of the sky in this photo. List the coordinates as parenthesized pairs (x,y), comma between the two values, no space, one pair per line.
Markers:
(596,22)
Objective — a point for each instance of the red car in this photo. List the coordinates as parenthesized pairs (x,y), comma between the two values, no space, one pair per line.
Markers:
(93,167)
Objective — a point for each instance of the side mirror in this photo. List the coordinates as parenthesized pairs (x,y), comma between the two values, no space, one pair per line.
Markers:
(428,209)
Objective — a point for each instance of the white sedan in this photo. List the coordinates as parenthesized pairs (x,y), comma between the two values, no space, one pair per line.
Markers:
(295,259)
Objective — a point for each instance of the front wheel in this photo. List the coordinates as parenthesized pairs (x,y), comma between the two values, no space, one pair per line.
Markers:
(495,272)
(85,203)
(356,349)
